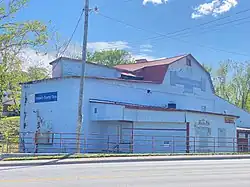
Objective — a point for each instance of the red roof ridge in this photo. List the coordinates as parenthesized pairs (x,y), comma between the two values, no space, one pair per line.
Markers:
(160,59)
(137,66)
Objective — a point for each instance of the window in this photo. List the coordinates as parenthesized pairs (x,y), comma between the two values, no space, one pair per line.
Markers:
(188,62)
(44,138)
(203,108)
(172,105)
(242,135)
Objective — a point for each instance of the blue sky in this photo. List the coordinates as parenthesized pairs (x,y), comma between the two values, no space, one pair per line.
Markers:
(154,16)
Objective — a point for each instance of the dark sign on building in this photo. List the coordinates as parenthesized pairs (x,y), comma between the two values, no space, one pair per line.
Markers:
(45,97)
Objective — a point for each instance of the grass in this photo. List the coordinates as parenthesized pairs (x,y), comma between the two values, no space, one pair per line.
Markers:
(10,118)
(78,156)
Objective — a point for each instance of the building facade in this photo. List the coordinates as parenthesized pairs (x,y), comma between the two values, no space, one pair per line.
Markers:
(166,105)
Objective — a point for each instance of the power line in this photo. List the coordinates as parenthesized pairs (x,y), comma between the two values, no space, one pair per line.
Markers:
(196,26)
(207,23)
(71,37)
(73,33)
(167,36)
(212,30)
(216,25)
(158,37)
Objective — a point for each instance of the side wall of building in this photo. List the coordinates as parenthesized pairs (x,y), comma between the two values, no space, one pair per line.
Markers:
(224,106)
(210,133)
(67,67)
(55,116)
(188,79)
(61,115)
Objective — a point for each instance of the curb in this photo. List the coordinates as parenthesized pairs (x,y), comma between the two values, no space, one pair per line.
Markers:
(120,160)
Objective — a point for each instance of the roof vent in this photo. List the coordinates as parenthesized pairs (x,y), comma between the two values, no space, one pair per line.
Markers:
(141,60)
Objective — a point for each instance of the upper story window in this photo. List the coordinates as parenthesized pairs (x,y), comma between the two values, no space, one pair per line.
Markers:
(188,62)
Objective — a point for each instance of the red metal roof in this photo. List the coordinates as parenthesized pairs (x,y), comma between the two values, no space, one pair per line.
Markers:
(140,65)
(153,71)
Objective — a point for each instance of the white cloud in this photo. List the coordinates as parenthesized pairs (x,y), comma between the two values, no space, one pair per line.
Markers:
(31,57)
(98,46)
(145,48)
(214,8)
(143,56)
(154,1)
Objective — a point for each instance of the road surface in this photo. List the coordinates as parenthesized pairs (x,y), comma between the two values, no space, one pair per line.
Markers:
(222,173)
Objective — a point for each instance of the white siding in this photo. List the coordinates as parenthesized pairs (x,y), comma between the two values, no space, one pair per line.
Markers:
(58,116)
(68,67)
(198,136)
(192,75)
(225,107)
(56,70)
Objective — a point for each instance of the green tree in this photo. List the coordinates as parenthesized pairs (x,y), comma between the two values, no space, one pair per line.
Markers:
(240,83)
(37,73)
(110,57)
(10,76)
(209,69)
(14,37)
(232,82)
(222,81)
(17,35)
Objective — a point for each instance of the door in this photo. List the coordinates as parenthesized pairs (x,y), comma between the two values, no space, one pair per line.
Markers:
(202,138)
(126,143)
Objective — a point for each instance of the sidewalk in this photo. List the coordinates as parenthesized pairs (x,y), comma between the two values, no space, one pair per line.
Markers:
(118,160)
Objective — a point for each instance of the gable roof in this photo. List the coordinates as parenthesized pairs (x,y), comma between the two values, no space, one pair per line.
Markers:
(140,65)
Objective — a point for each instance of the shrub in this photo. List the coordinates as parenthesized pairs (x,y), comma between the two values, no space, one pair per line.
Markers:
(9,127)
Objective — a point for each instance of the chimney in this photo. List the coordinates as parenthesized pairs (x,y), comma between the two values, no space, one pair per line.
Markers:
(141,60)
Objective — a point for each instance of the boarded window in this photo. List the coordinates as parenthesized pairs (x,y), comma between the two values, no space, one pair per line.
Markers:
(44,138)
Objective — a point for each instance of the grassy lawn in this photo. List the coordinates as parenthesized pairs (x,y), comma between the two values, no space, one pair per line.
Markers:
(77,156)
(9,129)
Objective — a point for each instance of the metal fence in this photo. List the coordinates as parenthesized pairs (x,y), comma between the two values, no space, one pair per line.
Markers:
(106,143)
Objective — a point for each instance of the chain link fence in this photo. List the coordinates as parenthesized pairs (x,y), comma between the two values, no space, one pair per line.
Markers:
(31,142)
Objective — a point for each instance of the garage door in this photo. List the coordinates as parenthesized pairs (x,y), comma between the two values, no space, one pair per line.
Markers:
(158,138)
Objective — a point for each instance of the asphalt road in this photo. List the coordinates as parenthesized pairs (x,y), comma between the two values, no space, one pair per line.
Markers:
(228,173)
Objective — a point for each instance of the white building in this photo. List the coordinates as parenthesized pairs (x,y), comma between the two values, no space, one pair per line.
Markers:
(165,105)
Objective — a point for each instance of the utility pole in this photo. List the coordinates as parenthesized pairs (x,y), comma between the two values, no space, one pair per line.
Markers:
(81,91)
